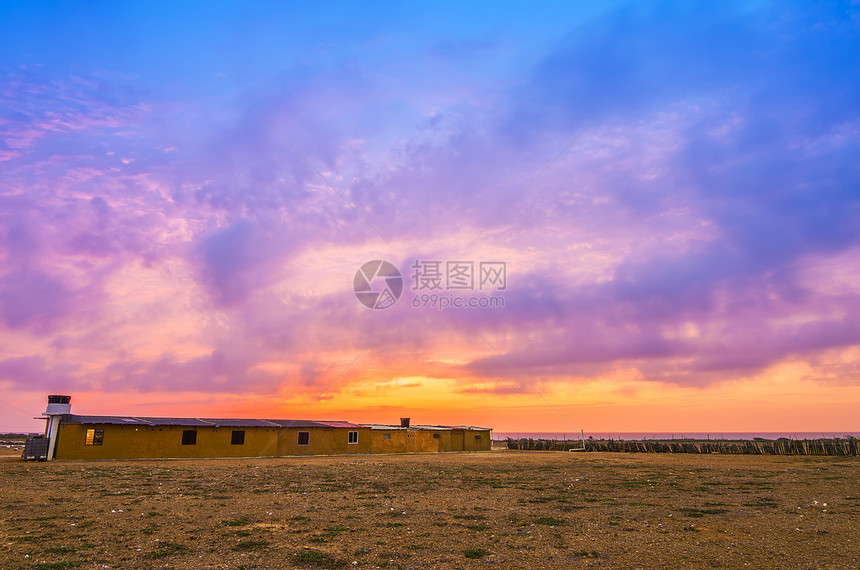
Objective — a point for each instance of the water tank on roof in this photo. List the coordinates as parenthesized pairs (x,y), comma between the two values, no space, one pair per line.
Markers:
(58,405)
(404,422)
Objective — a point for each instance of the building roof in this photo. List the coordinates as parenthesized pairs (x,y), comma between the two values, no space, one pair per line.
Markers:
(386,427)
(210,422)
(201,422)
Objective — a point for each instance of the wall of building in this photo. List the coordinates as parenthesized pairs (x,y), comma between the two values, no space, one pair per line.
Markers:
(457,440)
(429,440)
(475,440)
(139,442)
(323,441)
(396,442)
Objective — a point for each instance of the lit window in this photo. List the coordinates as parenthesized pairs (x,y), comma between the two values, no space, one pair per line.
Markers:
(353,437)
(304,437)
(238,437)
(95,437)
(189,437)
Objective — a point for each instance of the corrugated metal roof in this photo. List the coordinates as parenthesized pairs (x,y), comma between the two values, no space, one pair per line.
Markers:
(341,425)
(229,422)
(386,427)
(297,423)
(242,423)
(185,422)
(75,419)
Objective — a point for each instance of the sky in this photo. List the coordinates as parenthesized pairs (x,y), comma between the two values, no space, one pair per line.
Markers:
(648,213)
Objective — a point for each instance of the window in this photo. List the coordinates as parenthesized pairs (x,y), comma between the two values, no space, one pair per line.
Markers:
(95,437)
(436,435)
(353,437)
(189,437)
(477,436)
(386,436)
(238,437)
(304,437)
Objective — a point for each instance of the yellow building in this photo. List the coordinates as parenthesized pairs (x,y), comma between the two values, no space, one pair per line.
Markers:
(428,439)
(72,436)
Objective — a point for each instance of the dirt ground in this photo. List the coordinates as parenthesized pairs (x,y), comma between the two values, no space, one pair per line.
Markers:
(507,509)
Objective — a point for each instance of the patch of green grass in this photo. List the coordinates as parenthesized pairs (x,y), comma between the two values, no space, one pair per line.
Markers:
(699,513)
(549,521)
(541,500)
(149,529)
(30,538)
(474,553)
(770,504)
(241,521)
(478,527)
(393,525)
(243,533)
(244,545)
(55,565)
(316,559)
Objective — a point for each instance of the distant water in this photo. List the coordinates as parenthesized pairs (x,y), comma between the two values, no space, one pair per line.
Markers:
(678,435)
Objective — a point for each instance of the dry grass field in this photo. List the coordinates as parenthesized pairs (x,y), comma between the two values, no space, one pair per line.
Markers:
(506,509)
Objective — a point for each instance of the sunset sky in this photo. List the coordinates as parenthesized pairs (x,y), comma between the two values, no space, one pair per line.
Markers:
(187,193)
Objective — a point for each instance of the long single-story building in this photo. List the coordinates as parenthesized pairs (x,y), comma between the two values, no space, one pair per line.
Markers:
(69,436)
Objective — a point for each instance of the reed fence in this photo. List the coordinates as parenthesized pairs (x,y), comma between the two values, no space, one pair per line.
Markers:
(784,446)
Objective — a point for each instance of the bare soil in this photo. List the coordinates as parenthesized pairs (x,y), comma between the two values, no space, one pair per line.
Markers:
(508,509)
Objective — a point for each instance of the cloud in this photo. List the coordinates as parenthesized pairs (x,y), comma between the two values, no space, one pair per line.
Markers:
(35,370)
(672,236)
(34,301)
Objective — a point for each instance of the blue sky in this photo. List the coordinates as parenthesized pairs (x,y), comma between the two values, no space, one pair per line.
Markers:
(186,193)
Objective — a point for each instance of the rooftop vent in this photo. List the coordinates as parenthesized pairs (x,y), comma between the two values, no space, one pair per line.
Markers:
(404,422)
(58,405)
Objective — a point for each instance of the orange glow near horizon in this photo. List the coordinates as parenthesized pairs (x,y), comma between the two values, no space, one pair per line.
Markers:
(779,400)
